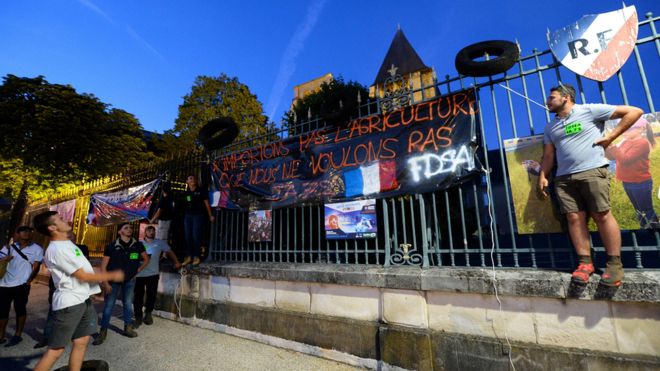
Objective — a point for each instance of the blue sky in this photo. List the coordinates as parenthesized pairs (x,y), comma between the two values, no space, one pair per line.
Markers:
(143,56)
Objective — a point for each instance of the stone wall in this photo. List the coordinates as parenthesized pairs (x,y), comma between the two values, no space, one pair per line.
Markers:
(426,319)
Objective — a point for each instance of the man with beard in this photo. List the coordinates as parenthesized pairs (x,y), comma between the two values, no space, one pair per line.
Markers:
(576,141)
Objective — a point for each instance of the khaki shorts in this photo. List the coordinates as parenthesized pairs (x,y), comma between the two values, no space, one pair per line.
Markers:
(588,191)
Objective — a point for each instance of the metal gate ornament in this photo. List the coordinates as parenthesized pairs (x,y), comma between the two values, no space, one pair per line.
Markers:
(597,45)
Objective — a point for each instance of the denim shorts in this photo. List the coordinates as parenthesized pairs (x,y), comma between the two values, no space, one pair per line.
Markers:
(72,323)
(587,191)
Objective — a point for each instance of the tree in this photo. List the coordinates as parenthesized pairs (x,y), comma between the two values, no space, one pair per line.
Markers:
(52,135)
(336,102)
(212,97)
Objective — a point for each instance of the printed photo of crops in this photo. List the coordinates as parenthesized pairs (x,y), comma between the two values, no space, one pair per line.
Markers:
(635,179)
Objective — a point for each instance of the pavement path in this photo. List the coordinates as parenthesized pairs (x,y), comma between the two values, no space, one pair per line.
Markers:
(165,345)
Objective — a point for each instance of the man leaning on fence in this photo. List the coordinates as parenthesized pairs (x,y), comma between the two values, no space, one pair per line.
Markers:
(23,258)
(576,140)
(129,255)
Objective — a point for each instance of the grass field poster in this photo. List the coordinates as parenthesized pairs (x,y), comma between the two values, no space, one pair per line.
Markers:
(635,177)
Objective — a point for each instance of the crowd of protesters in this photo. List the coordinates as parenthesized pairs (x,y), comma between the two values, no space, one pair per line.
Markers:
(129,267)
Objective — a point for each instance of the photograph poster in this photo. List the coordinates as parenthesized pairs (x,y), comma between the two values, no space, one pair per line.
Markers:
(351,220)
(634,165)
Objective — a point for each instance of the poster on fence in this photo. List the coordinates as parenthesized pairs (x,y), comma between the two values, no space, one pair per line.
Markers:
(634,164)
(66,209)
(143,228)
(126,205)
(260,226)
(351,220)
(415,149)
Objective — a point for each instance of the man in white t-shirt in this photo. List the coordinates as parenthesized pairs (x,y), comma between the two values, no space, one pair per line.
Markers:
(24,258)
(75,281)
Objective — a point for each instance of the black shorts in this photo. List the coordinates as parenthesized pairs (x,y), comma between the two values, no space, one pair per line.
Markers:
(72,323)
(17,294)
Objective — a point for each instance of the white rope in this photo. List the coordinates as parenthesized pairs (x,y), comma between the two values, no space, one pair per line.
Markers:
(492,260)
(531,100)
(179,288)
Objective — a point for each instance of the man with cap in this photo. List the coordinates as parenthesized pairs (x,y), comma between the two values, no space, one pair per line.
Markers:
(24,258)
(129,255)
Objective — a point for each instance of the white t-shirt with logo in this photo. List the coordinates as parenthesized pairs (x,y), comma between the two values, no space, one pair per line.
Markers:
(19,269)
(62,259)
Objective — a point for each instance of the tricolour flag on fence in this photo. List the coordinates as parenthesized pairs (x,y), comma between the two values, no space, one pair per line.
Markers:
(366,180)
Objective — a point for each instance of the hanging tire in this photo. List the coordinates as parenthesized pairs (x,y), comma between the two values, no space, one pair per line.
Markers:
(504,55)
(217,133)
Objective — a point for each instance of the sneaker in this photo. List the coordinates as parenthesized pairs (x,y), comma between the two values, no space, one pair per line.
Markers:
(148,319)
(14,340)
(186,261)
(582,273)
(137,323)
(40,344)
(196,261)
(612,276)
(129,331)
(101,337)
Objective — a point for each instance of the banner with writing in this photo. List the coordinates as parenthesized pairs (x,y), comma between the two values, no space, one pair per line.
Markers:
(125,205)
(415,149)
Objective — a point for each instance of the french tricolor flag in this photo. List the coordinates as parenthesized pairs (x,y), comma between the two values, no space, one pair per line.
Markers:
(365,180)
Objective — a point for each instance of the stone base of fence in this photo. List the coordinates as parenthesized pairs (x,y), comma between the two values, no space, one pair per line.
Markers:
(436,318)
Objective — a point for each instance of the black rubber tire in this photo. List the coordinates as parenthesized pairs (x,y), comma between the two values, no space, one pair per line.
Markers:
(90,365)
(217,133)
(504,55)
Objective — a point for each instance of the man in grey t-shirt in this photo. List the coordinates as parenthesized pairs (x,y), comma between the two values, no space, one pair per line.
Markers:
(576,138)
(146,282)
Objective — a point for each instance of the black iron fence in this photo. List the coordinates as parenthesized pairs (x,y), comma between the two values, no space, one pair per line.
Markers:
(467,225)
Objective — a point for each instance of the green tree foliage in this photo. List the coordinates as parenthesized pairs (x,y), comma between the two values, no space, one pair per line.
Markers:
(336,102)
(53,135)
(213,97)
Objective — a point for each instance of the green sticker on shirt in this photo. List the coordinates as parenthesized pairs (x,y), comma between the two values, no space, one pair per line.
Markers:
(189,198)
(78,253)
(573,128)
(134,256)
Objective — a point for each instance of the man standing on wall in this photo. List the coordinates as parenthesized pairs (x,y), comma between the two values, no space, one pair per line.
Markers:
(123,253)
(576,139)
(74,316)
(195,203)
(24,259)
(147,280)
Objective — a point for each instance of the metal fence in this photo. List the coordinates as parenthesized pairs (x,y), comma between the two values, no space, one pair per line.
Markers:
(175,169)
(463,225)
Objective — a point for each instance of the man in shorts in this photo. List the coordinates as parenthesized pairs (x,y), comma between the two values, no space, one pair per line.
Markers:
(24,257)
(75,281)
(577,140)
